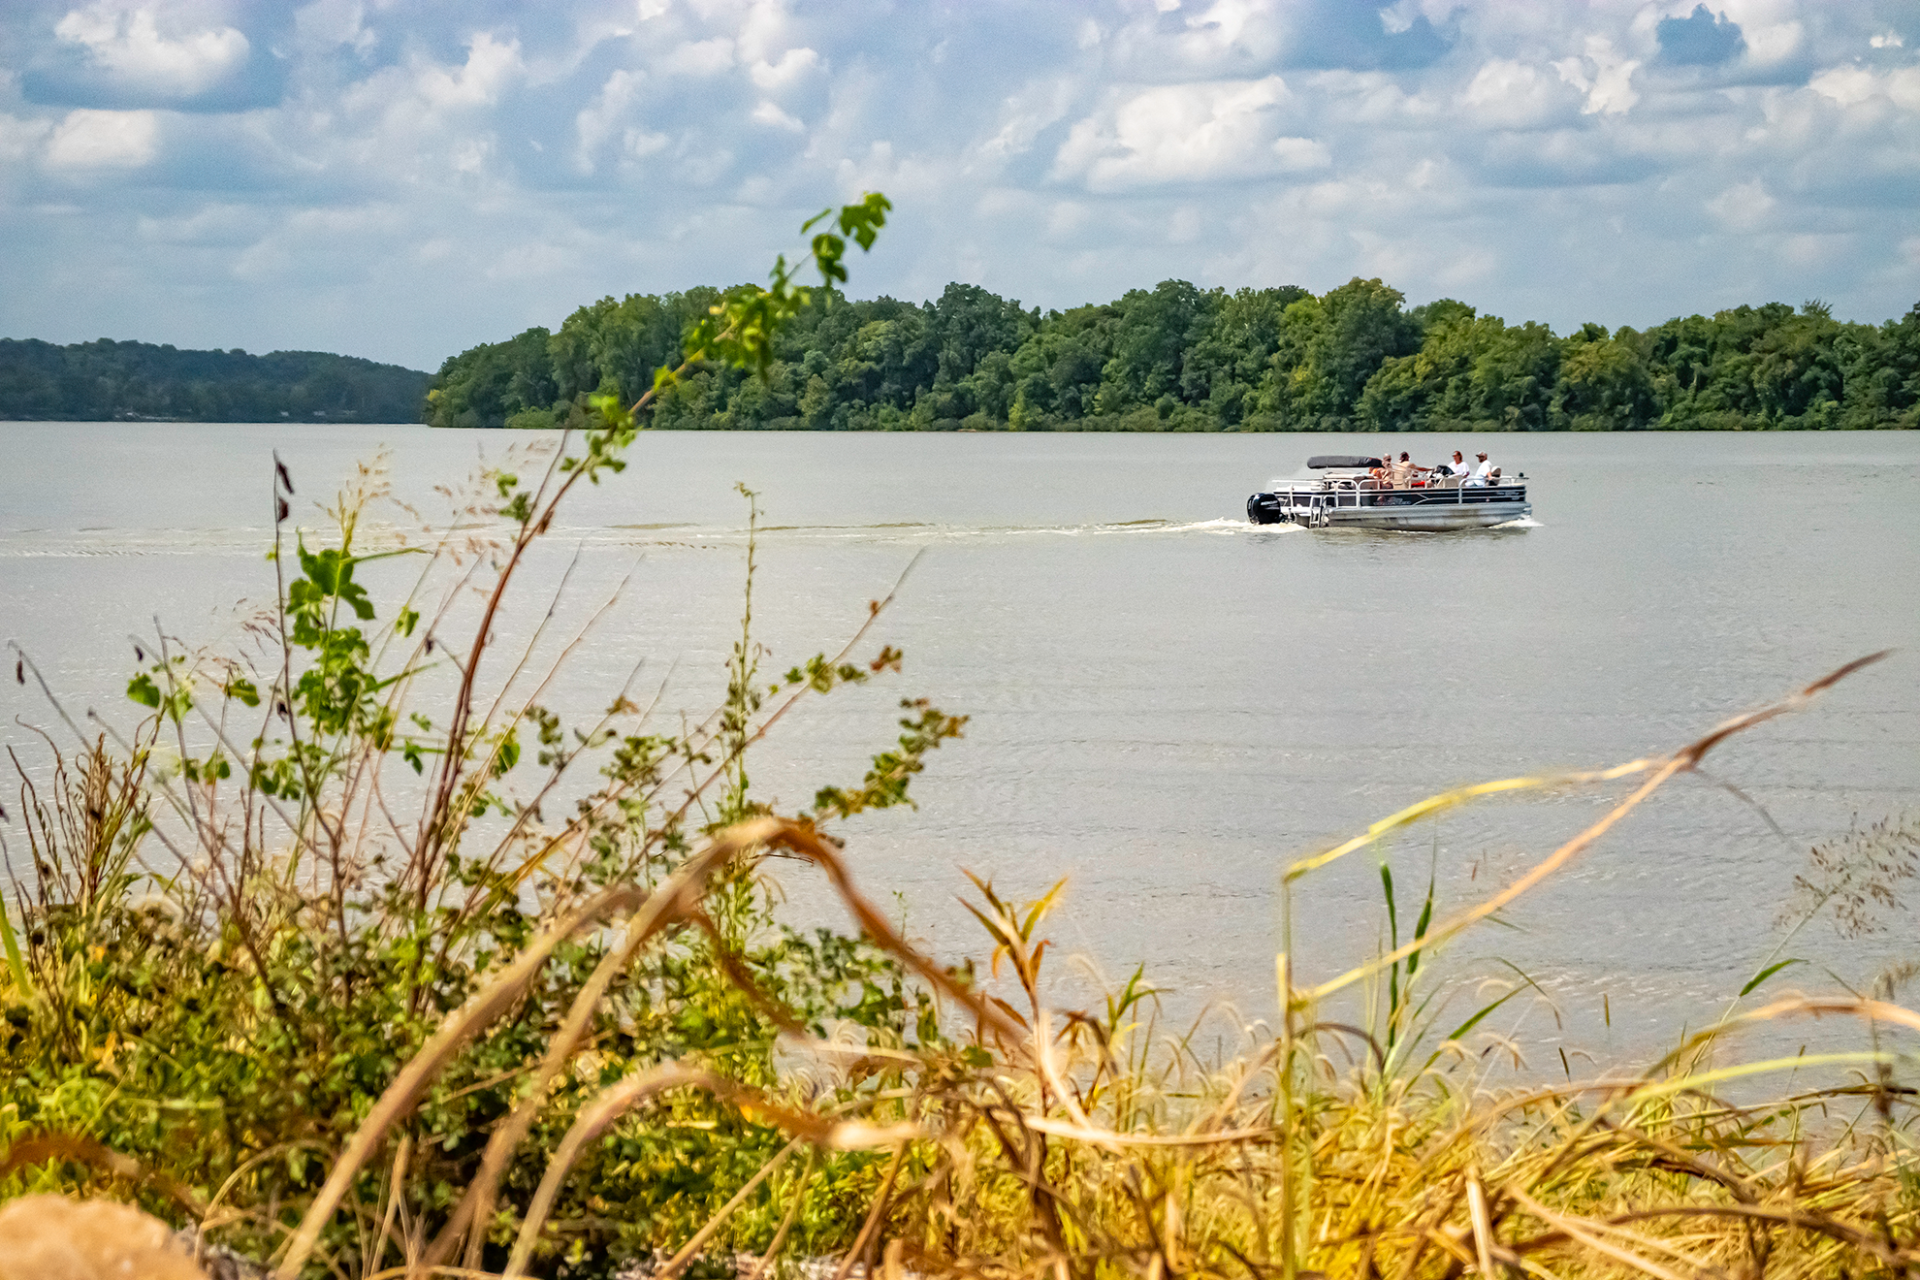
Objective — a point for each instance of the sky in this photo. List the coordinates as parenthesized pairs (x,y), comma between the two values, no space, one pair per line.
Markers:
(400,180)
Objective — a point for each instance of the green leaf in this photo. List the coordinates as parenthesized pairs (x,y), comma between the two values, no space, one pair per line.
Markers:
(16,966)
(1766,973)
(1478,1018)
(1420,927)
(144,691)
(863,219)
(355,595)
(508,755)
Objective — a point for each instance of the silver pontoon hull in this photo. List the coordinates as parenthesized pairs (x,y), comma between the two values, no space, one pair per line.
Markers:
(1433,519)
(1342,503)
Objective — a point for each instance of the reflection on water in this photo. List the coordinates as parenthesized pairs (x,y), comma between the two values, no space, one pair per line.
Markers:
(1168,703)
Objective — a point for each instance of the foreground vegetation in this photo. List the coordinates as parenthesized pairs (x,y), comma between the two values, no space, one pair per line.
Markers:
(106,380)
(360,959)
(1179,358)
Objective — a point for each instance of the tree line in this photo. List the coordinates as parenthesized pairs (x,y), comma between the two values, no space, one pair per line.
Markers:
(105,380)
(1181,358)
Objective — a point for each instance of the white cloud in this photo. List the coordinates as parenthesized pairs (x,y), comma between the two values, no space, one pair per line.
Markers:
(1398,18)
(1604,76)
(1066,219)
(490,65)
(1774,43)
(1744,206)
(794,65)
(770,114)
(1852,86)
(600,118)
(129,45)
(1232,27)
(216,224)
(1513,95)
(531,261)
(322,246)
(1025,115)
(1847,86)
(606,120)
(637,144)
(1187,133)
(1297,155)
(701,57)
(89,139)
(20,138)
(332,23)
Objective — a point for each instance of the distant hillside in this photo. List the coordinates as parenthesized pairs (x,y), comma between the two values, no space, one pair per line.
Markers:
(104,380)
(1181,358)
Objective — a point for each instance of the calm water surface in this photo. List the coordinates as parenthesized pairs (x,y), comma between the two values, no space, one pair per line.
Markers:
(1167,703)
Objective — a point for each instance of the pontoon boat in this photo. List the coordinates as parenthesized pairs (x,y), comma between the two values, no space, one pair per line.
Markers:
(1342,491)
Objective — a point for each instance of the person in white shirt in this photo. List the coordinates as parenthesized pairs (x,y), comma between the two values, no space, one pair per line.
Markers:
(1482,472)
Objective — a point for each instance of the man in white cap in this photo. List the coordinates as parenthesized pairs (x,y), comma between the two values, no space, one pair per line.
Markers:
(1482,472)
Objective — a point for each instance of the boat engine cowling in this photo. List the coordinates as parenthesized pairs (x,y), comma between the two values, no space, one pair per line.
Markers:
(1266,508)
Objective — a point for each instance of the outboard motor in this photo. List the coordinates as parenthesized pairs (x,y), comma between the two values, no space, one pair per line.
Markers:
(1265,508)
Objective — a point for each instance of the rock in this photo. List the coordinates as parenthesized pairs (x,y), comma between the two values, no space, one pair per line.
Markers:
(53,1238)
(218,1261)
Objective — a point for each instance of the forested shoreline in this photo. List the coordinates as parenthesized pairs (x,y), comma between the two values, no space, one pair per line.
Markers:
(106,380)
(1173,358)
(1181,358)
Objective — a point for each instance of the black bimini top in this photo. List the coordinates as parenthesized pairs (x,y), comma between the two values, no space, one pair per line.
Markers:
(1321,461)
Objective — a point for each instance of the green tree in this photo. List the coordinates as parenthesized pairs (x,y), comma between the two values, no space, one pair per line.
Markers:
(1174,357)
(1331,346)
(486,385)
(1151,336)
(95,381)
(1883,376)
(1604,384)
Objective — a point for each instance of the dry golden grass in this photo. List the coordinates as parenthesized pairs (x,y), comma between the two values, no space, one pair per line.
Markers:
(1051,1146)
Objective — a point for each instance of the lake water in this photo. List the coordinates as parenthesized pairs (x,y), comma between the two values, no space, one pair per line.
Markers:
(1167,703)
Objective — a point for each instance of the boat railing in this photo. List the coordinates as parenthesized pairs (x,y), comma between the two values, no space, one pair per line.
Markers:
(1334,493)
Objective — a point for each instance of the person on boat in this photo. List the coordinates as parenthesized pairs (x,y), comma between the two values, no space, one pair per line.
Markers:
(1482,474)
(1403,472)
(1451,473)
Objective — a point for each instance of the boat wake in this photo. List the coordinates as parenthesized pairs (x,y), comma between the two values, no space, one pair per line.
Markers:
(1524,522)
(32,543)
(1227,526)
